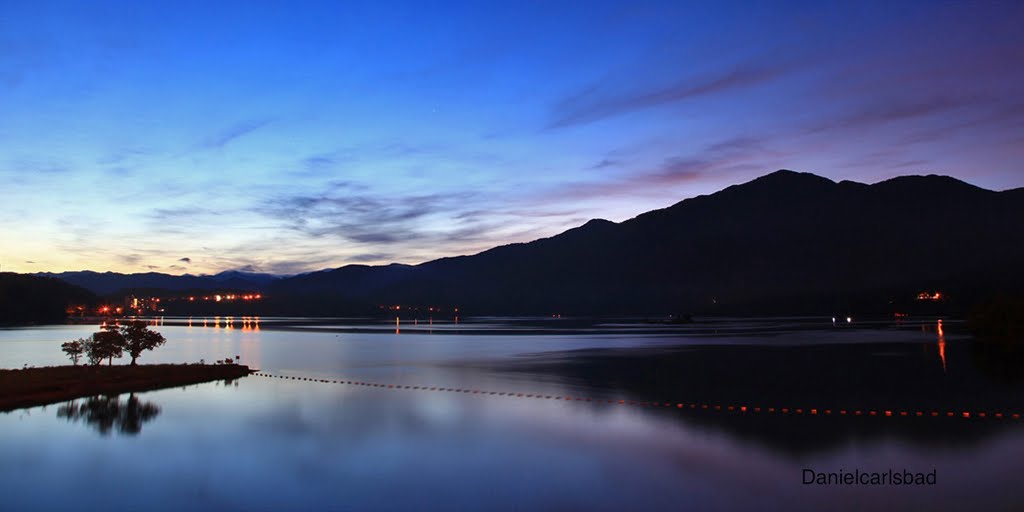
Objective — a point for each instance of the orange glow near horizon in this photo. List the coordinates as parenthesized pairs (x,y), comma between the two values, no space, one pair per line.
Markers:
(942,345)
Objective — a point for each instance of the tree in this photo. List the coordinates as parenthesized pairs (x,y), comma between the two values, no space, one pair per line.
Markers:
(74,349)
(137,338)
(106,344)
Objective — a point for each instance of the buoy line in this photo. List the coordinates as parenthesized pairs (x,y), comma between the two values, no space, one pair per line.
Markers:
(800,411)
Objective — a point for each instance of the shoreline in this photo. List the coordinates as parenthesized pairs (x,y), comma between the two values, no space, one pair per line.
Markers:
(32,387)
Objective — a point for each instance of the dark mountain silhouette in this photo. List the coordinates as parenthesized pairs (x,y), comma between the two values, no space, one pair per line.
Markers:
(786,242)
(113,283)
(32,299)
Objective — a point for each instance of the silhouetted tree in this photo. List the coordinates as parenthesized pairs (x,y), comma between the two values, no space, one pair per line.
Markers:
(106,344)
(137,337)
(74,349)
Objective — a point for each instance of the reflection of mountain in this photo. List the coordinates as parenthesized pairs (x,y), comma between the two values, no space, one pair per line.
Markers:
(851,377)
(107,412)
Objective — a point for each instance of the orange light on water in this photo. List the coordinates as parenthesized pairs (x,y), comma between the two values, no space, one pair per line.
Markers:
(942,345)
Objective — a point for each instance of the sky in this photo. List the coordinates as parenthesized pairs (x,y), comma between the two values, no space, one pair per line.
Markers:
(284,137)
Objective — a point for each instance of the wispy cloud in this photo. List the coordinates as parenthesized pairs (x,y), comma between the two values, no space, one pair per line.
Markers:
(361,218)
(371,256)
(226,136)
(27,167)
(605,99)
(714,162)
(605,163)
(883,111)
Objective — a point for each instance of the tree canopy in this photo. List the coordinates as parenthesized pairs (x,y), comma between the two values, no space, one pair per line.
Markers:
(113,340)
(137,338)
(75,349)
(106,344)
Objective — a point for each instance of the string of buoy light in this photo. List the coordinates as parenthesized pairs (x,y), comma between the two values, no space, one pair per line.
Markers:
(799,411)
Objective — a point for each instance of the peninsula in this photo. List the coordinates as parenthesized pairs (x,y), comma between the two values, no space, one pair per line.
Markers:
(32,387)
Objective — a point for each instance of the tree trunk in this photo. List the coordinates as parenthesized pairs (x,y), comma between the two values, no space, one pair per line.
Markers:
(133,360)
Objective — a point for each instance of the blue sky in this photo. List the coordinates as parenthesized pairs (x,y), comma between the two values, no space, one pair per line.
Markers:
(185,137)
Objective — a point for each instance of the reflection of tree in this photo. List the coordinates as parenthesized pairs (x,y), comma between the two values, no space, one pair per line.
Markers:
(106,412)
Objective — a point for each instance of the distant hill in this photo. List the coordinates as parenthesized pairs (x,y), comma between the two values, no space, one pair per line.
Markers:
(32,299)
(785,243)
(108,283)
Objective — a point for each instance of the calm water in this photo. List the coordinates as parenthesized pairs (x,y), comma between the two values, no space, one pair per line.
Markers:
(269,444)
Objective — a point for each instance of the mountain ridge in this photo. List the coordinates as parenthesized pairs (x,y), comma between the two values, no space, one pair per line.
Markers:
(785,239)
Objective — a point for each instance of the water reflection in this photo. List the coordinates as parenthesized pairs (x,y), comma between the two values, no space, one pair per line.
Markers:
(942,344)
(276,444)
(873,393)
(1001,360)
(106,413)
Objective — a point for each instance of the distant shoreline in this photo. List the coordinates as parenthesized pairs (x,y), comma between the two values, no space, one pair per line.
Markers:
(33,387)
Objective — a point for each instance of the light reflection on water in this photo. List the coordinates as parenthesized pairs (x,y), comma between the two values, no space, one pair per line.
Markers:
(271,444)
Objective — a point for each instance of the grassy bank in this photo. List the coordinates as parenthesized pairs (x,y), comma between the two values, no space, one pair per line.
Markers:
(41,386)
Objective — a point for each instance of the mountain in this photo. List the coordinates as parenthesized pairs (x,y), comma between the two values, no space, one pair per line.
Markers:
(786,242)
(108,283)
(33,299)
(242,280)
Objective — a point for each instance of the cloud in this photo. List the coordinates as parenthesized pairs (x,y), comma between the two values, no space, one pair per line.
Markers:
(219,140)
(360,218)
(528,211)
(712,163)
(129,259)
(319,161)
(605,163)
(29,168)
(596,102)
(185,260)
(884,111)
(372,256)
(121,172)
(120,156)
(181,220)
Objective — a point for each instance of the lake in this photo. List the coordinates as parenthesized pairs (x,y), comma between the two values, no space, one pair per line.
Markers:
(613,415)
